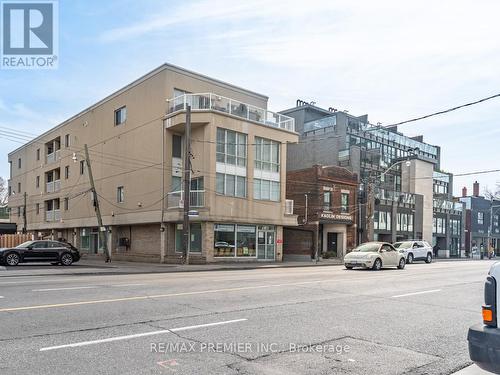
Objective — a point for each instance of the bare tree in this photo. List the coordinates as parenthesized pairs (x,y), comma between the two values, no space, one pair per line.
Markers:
(3,192)
(492,194)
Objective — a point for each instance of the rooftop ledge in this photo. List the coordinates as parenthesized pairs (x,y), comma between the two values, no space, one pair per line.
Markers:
(218,103)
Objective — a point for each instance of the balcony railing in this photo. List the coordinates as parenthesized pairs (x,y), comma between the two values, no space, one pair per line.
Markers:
(176,198)
(53,186)
(51,158)
(213,102)
(54,215)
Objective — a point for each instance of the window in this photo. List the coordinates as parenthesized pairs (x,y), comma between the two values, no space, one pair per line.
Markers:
(120,197)
(19,163)
(382,220)
(82,167)
(495,220)
(10,190)
(344,203)
(266,190)
(67,140)
(38,154)
(404,222)
(66,172)
(120,115)
(439,225)
(267,154)
(176,183)
(66,204)
(37,182)
(480,218)
(455,227)
(234,240)
(18,188)
(195,237)
(231,147)
(176,146)
(19,212)
(85,238)
(37,209)
(327,200)
(231,185)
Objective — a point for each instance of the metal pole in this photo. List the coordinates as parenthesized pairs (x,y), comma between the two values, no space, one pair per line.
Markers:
(24,213)
(187,185)
(102,237)
(305,216)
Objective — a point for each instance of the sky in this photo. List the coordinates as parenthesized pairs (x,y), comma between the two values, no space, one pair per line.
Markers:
(392,60)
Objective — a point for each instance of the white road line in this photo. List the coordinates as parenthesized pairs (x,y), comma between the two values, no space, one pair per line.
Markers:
(128,337)
(2,297)
(118,285)
(416,293)
(73,288)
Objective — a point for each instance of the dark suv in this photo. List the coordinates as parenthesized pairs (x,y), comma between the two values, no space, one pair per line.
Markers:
(40,251)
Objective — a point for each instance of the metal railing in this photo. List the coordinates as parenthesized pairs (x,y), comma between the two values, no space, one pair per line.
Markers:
(214,102)
(54,156)
(176,198)
(53,186)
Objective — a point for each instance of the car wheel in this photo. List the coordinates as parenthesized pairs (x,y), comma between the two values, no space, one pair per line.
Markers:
(349,267)
(377,265)
(410,258)
(66,259)
(12,259)
(402,263)
(429,258)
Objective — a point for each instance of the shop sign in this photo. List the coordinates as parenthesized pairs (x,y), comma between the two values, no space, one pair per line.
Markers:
(336,217)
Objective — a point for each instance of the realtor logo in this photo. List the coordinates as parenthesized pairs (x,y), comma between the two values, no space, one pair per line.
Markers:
(29,34)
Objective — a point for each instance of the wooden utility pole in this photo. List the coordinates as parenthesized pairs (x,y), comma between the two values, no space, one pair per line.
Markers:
(187,185)
(24,213)
(103,235)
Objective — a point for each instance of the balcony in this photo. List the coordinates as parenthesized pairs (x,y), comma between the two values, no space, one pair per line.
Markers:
(53,186)
(54,215)
(175,199)
(213,102)
(53,157)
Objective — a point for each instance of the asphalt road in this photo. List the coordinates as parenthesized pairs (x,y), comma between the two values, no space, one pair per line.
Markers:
(311,320)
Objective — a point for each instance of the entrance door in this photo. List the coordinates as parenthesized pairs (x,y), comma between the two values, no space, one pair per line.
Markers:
(94,241)
(331,245)
(266,239)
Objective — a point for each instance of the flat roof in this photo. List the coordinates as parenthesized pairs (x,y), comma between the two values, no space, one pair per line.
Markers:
(152,73)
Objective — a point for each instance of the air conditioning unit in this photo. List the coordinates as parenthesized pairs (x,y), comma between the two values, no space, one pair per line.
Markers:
(288,207)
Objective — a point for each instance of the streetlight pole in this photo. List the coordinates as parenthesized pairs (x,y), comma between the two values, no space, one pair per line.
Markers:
(187,185)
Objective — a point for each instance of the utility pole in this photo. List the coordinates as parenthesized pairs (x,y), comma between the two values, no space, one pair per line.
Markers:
(187,185)
(24,213)
(369,208)
(103,238)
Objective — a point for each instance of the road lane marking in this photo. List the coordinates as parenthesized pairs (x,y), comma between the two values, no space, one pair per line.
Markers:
(118,285)
(416,293)
(2,297)
(145,334)
(138,298)
(70,288)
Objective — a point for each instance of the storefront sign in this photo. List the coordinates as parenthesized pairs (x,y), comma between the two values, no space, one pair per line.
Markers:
(336,217)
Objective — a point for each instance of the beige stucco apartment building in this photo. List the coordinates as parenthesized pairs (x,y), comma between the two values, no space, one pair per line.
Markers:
(136,144)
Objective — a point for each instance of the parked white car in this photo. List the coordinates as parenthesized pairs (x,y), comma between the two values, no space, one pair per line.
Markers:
(484,339)
(415,250)
(375,255)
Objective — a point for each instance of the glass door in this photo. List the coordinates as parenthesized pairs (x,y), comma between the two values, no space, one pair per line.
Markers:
(266,242)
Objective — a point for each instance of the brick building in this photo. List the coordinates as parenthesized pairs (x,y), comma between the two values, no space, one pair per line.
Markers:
(325,201)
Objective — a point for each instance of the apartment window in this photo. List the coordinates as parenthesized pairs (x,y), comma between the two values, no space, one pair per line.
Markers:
(18,211)
(267,154)
(10,190)
(18,188)
(37,208)
(327,200)
(495,220)
(37,182)
(67,140)
(176,146)
(19,163)
(120,194)
(82,167)
(66,172)
(38,154)
(120,115)
(344,203)
(66,204)
(231,147)
(480,218)
(266,190)
(231,185)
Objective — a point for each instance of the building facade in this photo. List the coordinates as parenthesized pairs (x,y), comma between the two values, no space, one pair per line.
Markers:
(325,201)
(136,140)
(482,222)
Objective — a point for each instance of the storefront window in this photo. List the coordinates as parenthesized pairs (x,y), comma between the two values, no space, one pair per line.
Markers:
(234,240)
(195,234)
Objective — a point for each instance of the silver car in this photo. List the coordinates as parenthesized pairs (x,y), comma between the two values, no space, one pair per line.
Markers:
(415,250)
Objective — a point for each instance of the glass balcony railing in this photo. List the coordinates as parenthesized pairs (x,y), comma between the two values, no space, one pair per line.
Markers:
(53,157)
(213,102)
(53,186)
(396,196)
(54,215)
(196,198)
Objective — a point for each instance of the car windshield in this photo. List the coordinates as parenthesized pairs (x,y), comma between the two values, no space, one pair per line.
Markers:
(24,244)
(403,245)
(368,247)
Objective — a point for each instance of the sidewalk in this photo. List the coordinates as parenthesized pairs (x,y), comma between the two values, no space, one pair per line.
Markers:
(97,266)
